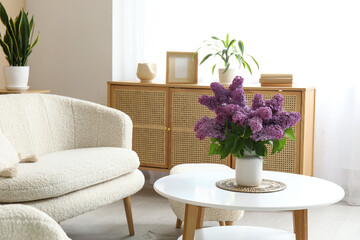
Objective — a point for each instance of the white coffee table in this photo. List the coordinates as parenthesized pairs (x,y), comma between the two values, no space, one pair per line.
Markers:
(198,190)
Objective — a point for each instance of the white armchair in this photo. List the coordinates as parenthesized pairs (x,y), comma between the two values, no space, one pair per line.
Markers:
(84,151)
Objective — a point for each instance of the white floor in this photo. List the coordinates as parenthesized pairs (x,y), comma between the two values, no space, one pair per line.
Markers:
(152,213)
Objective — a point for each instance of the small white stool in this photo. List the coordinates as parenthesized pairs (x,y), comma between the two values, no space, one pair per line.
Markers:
(241,233)
(223,216)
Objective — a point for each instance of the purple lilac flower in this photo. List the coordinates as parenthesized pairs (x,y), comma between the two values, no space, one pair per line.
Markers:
(286,119)
(238,97)
(255,124)
(221,94)
(275,103)
(208,127)
(258,101)
(264,113)
(268,132)
(240,118)
(226,112)
(236,84)
(209,101)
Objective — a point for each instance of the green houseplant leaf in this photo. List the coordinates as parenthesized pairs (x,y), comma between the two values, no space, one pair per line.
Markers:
(17,42)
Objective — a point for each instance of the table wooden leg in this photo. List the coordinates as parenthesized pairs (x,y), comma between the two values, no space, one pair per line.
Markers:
(301,224)
(200,218)
(190,221)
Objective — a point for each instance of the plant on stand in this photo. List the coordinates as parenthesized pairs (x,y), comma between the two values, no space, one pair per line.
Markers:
(245,131)
(227,50)
(17,45)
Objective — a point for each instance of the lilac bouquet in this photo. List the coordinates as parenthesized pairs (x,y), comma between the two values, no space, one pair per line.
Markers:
(239,128)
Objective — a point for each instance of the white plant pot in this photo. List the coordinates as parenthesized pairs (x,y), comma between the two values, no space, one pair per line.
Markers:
(16,78)
(248,170)
(146,71)
(228,76)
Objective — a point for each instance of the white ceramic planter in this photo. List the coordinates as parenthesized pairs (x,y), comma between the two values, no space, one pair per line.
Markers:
(228,76)
(248,170)
(16,78)
(146,71)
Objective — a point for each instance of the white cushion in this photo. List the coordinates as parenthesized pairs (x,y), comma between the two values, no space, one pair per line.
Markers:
(19,222)
(63,172)
(9,158)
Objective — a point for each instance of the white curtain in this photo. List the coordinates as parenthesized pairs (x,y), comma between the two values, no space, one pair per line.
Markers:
(316,40)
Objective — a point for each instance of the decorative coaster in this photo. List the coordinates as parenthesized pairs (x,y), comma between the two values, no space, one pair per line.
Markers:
(265,186)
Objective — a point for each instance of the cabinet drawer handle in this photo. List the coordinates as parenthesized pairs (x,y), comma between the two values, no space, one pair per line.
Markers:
(168,129)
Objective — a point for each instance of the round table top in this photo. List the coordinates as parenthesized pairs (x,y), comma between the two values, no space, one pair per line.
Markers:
(302,192)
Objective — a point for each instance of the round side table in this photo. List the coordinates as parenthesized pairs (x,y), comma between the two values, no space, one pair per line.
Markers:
(198,190)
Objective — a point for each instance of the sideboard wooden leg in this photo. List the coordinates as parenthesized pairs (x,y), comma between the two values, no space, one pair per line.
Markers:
(200,218)
(190,221)
(178,223)
(229,223)
(301,224)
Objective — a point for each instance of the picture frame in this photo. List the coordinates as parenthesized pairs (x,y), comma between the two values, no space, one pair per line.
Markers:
(181,68)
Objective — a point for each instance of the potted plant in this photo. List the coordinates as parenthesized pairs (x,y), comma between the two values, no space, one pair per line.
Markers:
(17,45)
(227,50)
(245,131)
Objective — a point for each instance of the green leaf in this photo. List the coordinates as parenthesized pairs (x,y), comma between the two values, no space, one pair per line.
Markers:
(241,47)
(276,145)
(3,15)
(248,143)
(193,56)
(227,67)
(254,61)
(247,66)
(35,42)
(227,40)
(260,149)
(247,132)
(216,38)
(289,133)
(25,35)
(213,68)
(282,143)
(205,58)
(212,148)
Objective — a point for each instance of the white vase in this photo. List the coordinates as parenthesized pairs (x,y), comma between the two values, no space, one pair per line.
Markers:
(228,76)
(146,71)
(16,77)
(248,170)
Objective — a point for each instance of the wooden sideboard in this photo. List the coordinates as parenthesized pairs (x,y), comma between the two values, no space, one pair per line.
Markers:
(164,116)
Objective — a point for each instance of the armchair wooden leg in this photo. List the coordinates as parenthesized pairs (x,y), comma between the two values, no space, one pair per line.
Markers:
(178,223)
(222,223)
(229,223)
(129,218)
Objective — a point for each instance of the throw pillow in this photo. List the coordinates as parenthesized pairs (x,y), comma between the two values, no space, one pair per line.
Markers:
(9,158)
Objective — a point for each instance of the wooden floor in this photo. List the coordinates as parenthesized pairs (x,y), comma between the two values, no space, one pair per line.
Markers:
(152,213)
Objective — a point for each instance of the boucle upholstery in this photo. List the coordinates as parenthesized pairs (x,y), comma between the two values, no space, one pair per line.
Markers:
(37,124)
(210,214)
(79,202)
(19,222)
(79,138)
(58,173)
(9,159)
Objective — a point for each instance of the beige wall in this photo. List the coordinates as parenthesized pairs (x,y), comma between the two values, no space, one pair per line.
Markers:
(74,54)
(12,7)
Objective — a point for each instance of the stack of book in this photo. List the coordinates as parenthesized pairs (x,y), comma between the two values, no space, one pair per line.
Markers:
(276,80)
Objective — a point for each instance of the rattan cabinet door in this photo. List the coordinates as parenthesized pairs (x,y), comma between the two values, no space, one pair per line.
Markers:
(185,112)
(147,108)
(288,160)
